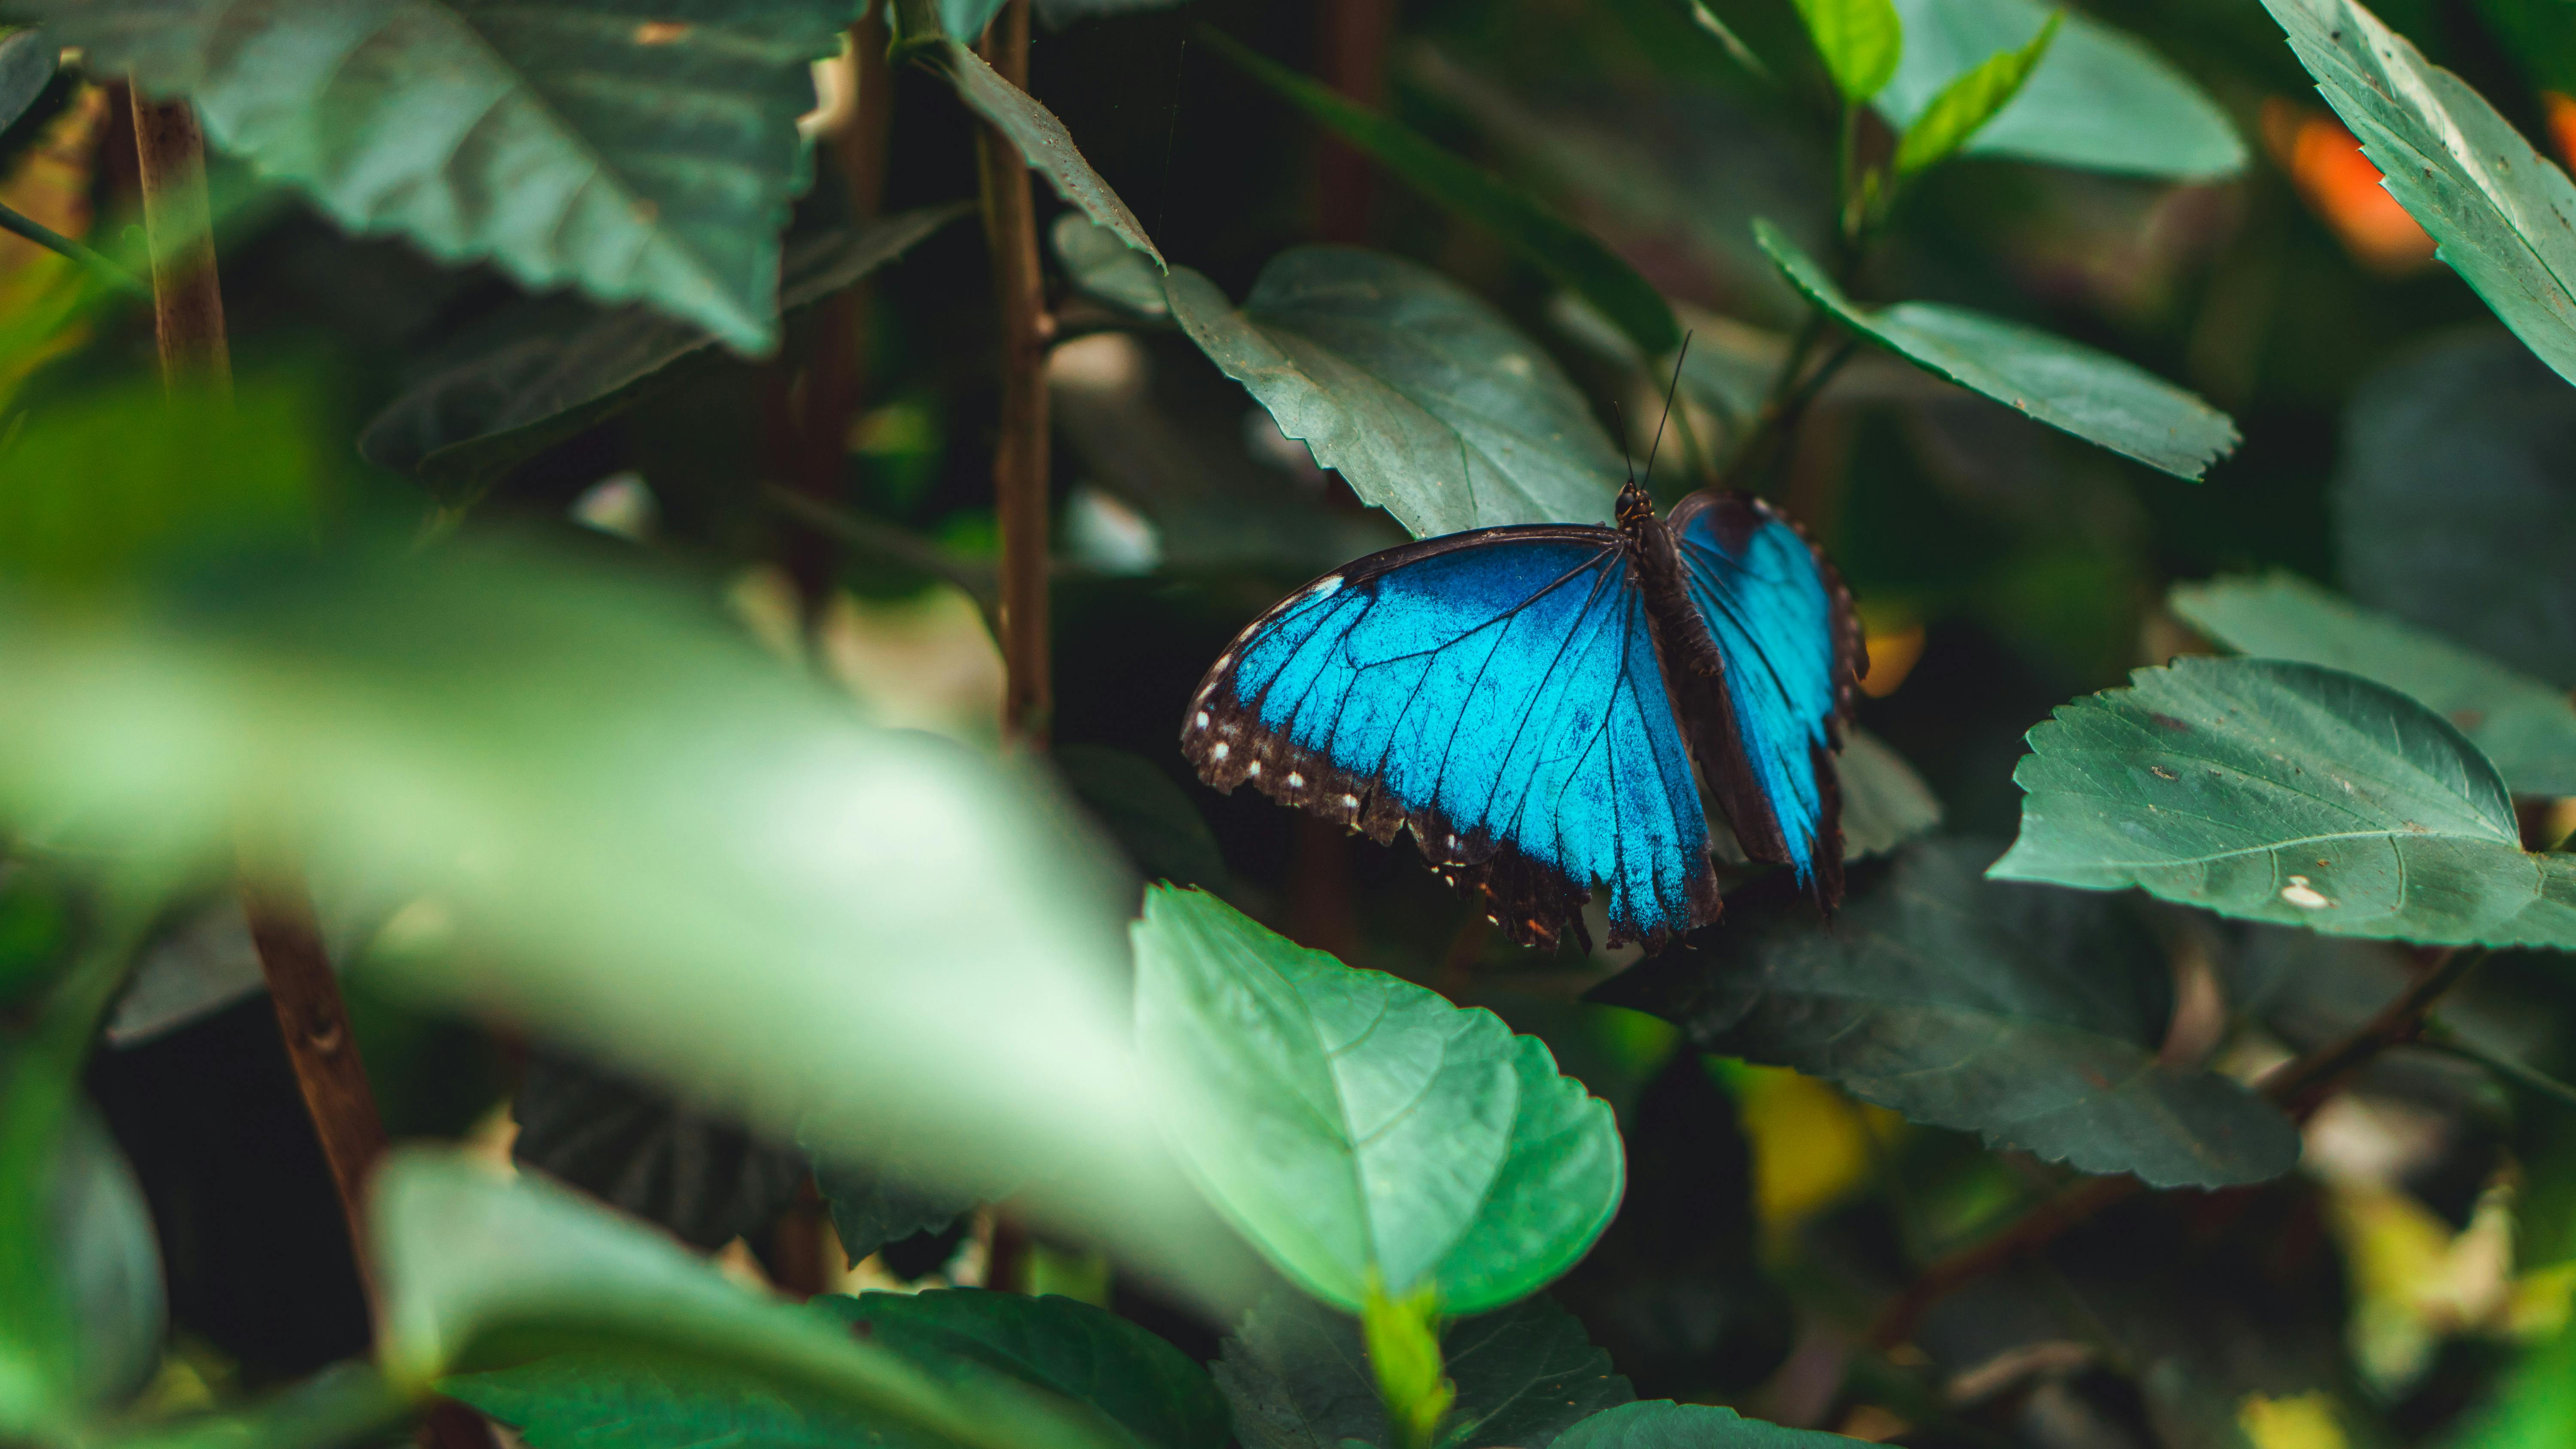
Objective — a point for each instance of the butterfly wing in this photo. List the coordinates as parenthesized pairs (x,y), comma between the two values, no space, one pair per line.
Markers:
(1789,650)
(1497,692)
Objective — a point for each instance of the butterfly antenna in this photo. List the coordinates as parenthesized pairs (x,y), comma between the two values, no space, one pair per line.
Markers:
(1671,389)
(1626,457)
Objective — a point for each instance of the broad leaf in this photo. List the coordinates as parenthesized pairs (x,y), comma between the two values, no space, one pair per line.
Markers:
(2527,728)
(2101,99)
(1570,256)
(1859,41)
(1965,105)
(648,1154)
(1359,1129)
(2030,1016)
(481,1273)
(554,369)
(2093,395)
(1427,401)
(566,143)
(26,67)
(2455,500)
(1663,1424)
(1043,143)
(1298,1377)
(1107,268)
(2290,793)
(2505,217)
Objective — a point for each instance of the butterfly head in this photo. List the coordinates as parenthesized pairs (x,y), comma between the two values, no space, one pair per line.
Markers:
(1636,507)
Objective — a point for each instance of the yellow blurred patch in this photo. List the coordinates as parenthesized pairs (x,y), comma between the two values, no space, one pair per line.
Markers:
(40,291)
(2304,1422)
(1808,1149)
(1892,656)
(2341,186)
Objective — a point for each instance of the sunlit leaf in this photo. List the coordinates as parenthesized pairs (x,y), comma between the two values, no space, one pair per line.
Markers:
(1427,401)
(1965,105)
(2505,217)
(2093,395)
(2100,99)
(2290,793)
(1570,256)
(1359,1129)
(1663,1424)
(2527,728)
(1859,40)
(638,158)
(1043,143)
(2028,1015)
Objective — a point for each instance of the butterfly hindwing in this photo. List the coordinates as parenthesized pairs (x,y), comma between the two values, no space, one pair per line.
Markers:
(1789,649)
(1497,692)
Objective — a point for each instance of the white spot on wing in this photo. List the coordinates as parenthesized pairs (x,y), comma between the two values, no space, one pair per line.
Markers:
(1350,802)
(1203,718)
(1296,781)
(1253,769)
(1223,749)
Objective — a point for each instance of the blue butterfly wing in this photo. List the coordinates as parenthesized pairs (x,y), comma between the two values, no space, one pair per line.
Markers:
(1789,651)
(1497,692)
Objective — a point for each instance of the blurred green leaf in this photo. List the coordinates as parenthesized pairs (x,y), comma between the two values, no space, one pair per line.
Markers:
(1570,256)
(1099,263)
(1885,803)
(1365,1134)
(1146,813)
(1043,143)
(567,143)
(480,1273)
(1403,1339)
(110,1261)
(2092,395)
(2504,215)
(1859,41)
(2101,99)
(552,369)
(1965,105)
(966,19)
(2032,1017)
(1299,1377)
(1663,1424)
(1427,401)
(2533,1407)
(2289,793)
(26,68)
(2455,500)
(343,1405)
(2527,728)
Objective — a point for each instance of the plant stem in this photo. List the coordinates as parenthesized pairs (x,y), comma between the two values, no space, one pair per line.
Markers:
(2297,1088)
(1020,459)
(2442,1039)
(187,294)
(1350,53)
(51,240)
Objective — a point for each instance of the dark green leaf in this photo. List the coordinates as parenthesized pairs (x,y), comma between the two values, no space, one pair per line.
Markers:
(2030,1016)
(568,143)
(1570,256)
(1663,1424)
(1145,812)
(1061,13)
(1859,40)
(1044,144)
(26,68)
(110,1262)
(2455,500)
(1298,1377)
(871,1208)
(2285,792)
(2093,395)
(2102,99)
(1107,268)
(2527,728)
(344,1405)
(1359,1129)
(555,369)
(1427,401)
(1965,105)
(642,1151)
(2504,215)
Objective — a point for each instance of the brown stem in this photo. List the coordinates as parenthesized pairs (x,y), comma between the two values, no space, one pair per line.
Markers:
(1020,458)
(1350,53)
(187,295)
(2297,1088)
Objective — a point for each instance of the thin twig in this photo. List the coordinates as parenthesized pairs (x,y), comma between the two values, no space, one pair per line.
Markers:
(19,224)
(1020,458)
(2440,1038)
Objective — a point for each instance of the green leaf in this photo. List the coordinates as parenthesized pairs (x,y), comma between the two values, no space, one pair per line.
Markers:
(1569,256)
(26,68)
(1359,1129)
(2527,728)
(1043,143)
(2032,1017)
(2289,793)
(2505,217)
(2101,99)
(2455,500)
(1859,40)
(1428,403)
(553,368)
(109,1259)
(1965,105)
(1100,264)
(343,1405)
(2092,395)
(1403,1338)
(481,1273)
(576,142)
(1885,803)
(1663,1424)
(966,19)
(1298,1376)
(871,1208)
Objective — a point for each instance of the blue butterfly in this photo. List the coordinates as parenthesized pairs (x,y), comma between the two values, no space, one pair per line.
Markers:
(1531,701)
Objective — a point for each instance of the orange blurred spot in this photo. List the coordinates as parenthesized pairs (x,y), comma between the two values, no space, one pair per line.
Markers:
(2560,112)
(2341,186)
(1891,658)
(39,291)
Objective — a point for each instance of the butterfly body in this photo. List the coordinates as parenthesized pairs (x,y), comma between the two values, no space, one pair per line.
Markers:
(1539,705)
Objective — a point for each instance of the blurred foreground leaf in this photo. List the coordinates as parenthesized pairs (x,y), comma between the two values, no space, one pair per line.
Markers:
(1359,1129)
(1429,403)
(1859,41)
(1885,803)
(343,1405)
(1967,104)
(2285,792)
(2030,1016)
(2092,395)
(26,67)
(2505,216)
(2527,728)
